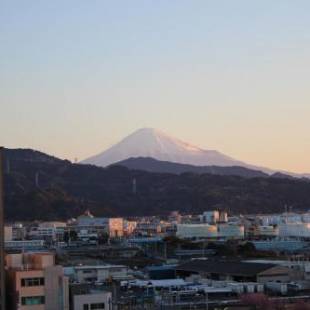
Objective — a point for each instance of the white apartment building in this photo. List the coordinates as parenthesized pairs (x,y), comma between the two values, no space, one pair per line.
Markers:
(196,231)
(298,230)
(100,273)
(230,231)
(89,298)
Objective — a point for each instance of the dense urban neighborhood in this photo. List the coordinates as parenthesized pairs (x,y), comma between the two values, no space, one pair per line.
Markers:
(183,261)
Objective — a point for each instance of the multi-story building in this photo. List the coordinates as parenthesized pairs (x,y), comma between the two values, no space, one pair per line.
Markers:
(196,231)
(35,282)
(87,297)
(264,231)
(213,217)
(30,245)
(230,231)
(100,273)
(129,227)
(18,231)
(8,233)
(210,217)
(297,230)
(51,231)
(114,227)
(148,227)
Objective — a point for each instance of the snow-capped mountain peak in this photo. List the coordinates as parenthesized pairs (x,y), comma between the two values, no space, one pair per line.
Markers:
(150,142)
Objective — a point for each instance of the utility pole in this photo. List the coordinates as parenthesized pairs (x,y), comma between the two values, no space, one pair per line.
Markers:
(2,274)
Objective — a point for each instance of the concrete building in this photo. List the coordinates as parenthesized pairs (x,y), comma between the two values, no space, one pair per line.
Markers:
(299,230)
(230,231)
(281,245)
(35,282)
(114,227)
(19,231)
(210,217)
(100,273)
(129,227)
(188,231)
(148,228)
(25,245)
(8,233)
(235,271)
(50,231)
(86,297)
(299,269)
(175,217)
(267,231)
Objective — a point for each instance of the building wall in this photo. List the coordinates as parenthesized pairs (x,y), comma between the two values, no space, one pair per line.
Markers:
(196,231)
(278,273)
(52,287)
(101,274)
(8,233)
(116,227)
(55,287)
(294,230)
(20,291)
(230,231)
(210,217)
(80,300)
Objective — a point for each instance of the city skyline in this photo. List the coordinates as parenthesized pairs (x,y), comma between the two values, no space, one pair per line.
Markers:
(78,77)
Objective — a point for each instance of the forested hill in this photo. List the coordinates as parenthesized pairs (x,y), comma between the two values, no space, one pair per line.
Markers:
(39,186)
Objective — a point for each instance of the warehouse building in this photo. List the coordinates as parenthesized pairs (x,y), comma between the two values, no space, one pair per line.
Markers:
(234,271)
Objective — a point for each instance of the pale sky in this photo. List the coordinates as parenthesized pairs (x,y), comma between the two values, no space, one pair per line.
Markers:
(77,76)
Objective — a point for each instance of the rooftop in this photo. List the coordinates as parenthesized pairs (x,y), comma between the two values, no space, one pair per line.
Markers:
(98,267)
(236,268)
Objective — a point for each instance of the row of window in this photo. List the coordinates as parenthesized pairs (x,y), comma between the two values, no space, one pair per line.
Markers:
(94,306)
(32,282)
(33,300)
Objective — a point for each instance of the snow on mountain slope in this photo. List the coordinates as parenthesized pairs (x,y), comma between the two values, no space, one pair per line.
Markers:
(149,142)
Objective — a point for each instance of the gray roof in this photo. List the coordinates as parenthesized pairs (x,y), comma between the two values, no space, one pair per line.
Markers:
(235,268)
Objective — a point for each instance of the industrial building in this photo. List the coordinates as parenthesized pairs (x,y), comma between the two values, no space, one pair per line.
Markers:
(235,271)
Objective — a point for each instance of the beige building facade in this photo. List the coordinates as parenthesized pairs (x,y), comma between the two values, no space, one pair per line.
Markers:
(35,282)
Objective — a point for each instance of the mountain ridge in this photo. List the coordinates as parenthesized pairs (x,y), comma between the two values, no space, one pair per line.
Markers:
(42,187)
(153,165)
(154,143)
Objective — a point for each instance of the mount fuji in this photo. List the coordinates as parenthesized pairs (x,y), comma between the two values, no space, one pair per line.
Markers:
(153,143)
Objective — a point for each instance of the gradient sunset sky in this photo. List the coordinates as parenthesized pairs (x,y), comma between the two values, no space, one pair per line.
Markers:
(77,76)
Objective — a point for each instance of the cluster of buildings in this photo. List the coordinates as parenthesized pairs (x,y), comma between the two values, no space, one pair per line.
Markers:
(34,281)
(95,263)
(215,225)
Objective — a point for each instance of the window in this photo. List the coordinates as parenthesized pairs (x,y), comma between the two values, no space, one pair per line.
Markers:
(85,307)
(97,306)
(33,300)
(32,282)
